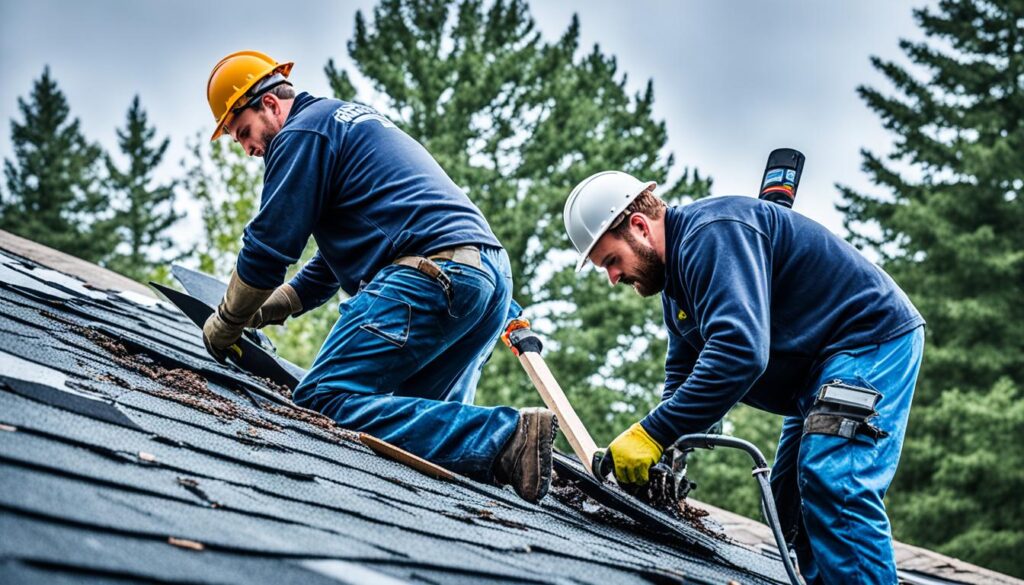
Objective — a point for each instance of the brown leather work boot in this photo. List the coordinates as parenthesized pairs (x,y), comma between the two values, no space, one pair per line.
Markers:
(525,462)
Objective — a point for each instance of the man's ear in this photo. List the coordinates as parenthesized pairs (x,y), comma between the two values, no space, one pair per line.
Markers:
(639,222)
(271,104)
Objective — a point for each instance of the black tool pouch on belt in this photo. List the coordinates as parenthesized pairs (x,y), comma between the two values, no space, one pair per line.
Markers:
(844,410)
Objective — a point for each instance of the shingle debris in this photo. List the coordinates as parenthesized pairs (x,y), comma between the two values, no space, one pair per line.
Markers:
(271,494)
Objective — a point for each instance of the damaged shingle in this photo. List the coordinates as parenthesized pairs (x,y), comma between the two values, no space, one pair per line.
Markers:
(155,444)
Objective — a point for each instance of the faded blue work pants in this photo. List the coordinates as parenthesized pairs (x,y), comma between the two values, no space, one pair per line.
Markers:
(829,489)
(403,361)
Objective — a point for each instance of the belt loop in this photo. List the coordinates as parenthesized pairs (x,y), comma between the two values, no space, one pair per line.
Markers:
(431,269)
(443,280)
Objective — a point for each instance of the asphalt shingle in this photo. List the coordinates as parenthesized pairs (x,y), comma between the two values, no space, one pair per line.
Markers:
(119,433)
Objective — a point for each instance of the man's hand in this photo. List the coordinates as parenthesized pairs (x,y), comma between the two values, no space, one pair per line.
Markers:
(283,303)
(219,335)
(634,452)
(223,328)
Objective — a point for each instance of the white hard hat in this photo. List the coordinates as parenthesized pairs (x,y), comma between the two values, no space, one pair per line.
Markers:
(595,203)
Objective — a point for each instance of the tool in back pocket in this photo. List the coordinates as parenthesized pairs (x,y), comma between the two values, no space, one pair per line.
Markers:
(844,410)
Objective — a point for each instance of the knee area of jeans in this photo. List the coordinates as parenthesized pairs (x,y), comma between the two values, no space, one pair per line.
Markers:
(303,395)
(305,386)
(319,395)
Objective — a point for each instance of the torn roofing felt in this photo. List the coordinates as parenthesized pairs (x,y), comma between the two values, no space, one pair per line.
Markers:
(128,453)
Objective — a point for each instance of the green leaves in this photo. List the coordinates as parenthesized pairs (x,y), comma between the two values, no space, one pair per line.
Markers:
(949,231)
(968,462)
(228,183)
(63,191)
(516,121)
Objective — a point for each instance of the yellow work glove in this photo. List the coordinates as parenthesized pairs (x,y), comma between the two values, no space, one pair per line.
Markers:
(634,452)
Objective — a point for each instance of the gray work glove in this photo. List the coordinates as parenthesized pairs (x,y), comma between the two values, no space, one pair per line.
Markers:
(283,303)
(223,328)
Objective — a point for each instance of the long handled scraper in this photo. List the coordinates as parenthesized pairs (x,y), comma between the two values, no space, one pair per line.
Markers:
(525,345)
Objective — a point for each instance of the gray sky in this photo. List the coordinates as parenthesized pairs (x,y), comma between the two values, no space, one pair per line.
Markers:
(732,79)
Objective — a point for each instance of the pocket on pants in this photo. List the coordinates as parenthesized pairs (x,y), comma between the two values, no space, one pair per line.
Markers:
(387,318)
(472,290)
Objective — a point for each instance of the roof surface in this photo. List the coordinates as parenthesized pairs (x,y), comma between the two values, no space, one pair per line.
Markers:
(86,271)
(127,454)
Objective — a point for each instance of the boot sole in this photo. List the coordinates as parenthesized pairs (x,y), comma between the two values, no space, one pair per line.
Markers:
(539,427)
(546,445)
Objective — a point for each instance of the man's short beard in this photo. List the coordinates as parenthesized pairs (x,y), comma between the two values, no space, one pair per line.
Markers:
(650,271)
(268,135)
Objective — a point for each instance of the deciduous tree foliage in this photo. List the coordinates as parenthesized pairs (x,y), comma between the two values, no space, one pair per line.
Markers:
(723,475)
(53,195)
(144,211)
(228,184)
(950,229)
(517,122)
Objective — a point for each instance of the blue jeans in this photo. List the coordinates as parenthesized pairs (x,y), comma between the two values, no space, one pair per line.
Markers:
(829,489)
(403,361)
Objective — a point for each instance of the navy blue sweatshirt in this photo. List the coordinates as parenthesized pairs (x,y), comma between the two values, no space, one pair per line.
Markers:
(757,296)
(366,191)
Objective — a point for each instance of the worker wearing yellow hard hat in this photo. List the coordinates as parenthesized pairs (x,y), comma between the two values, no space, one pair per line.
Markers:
(239,79)
(429,285)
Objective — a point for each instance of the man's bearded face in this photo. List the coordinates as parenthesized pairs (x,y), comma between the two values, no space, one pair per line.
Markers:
(648,273)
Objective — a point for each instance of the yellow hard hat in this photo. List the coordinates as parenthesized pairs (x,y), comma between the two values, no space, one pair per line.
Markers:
(239,78)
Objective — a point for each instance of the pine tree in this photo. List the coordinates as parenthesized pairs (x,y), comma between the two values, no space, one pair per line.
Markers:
(53,195)
(517,122)
(145,211)
(950,230)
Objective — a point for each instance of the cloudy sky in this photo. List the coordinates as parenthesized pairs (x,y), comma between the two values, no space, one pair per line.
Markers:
(733,79)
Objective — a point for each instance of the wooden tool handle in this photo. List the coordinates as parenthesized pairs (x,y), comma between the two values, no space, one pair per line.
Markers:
(554,398)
